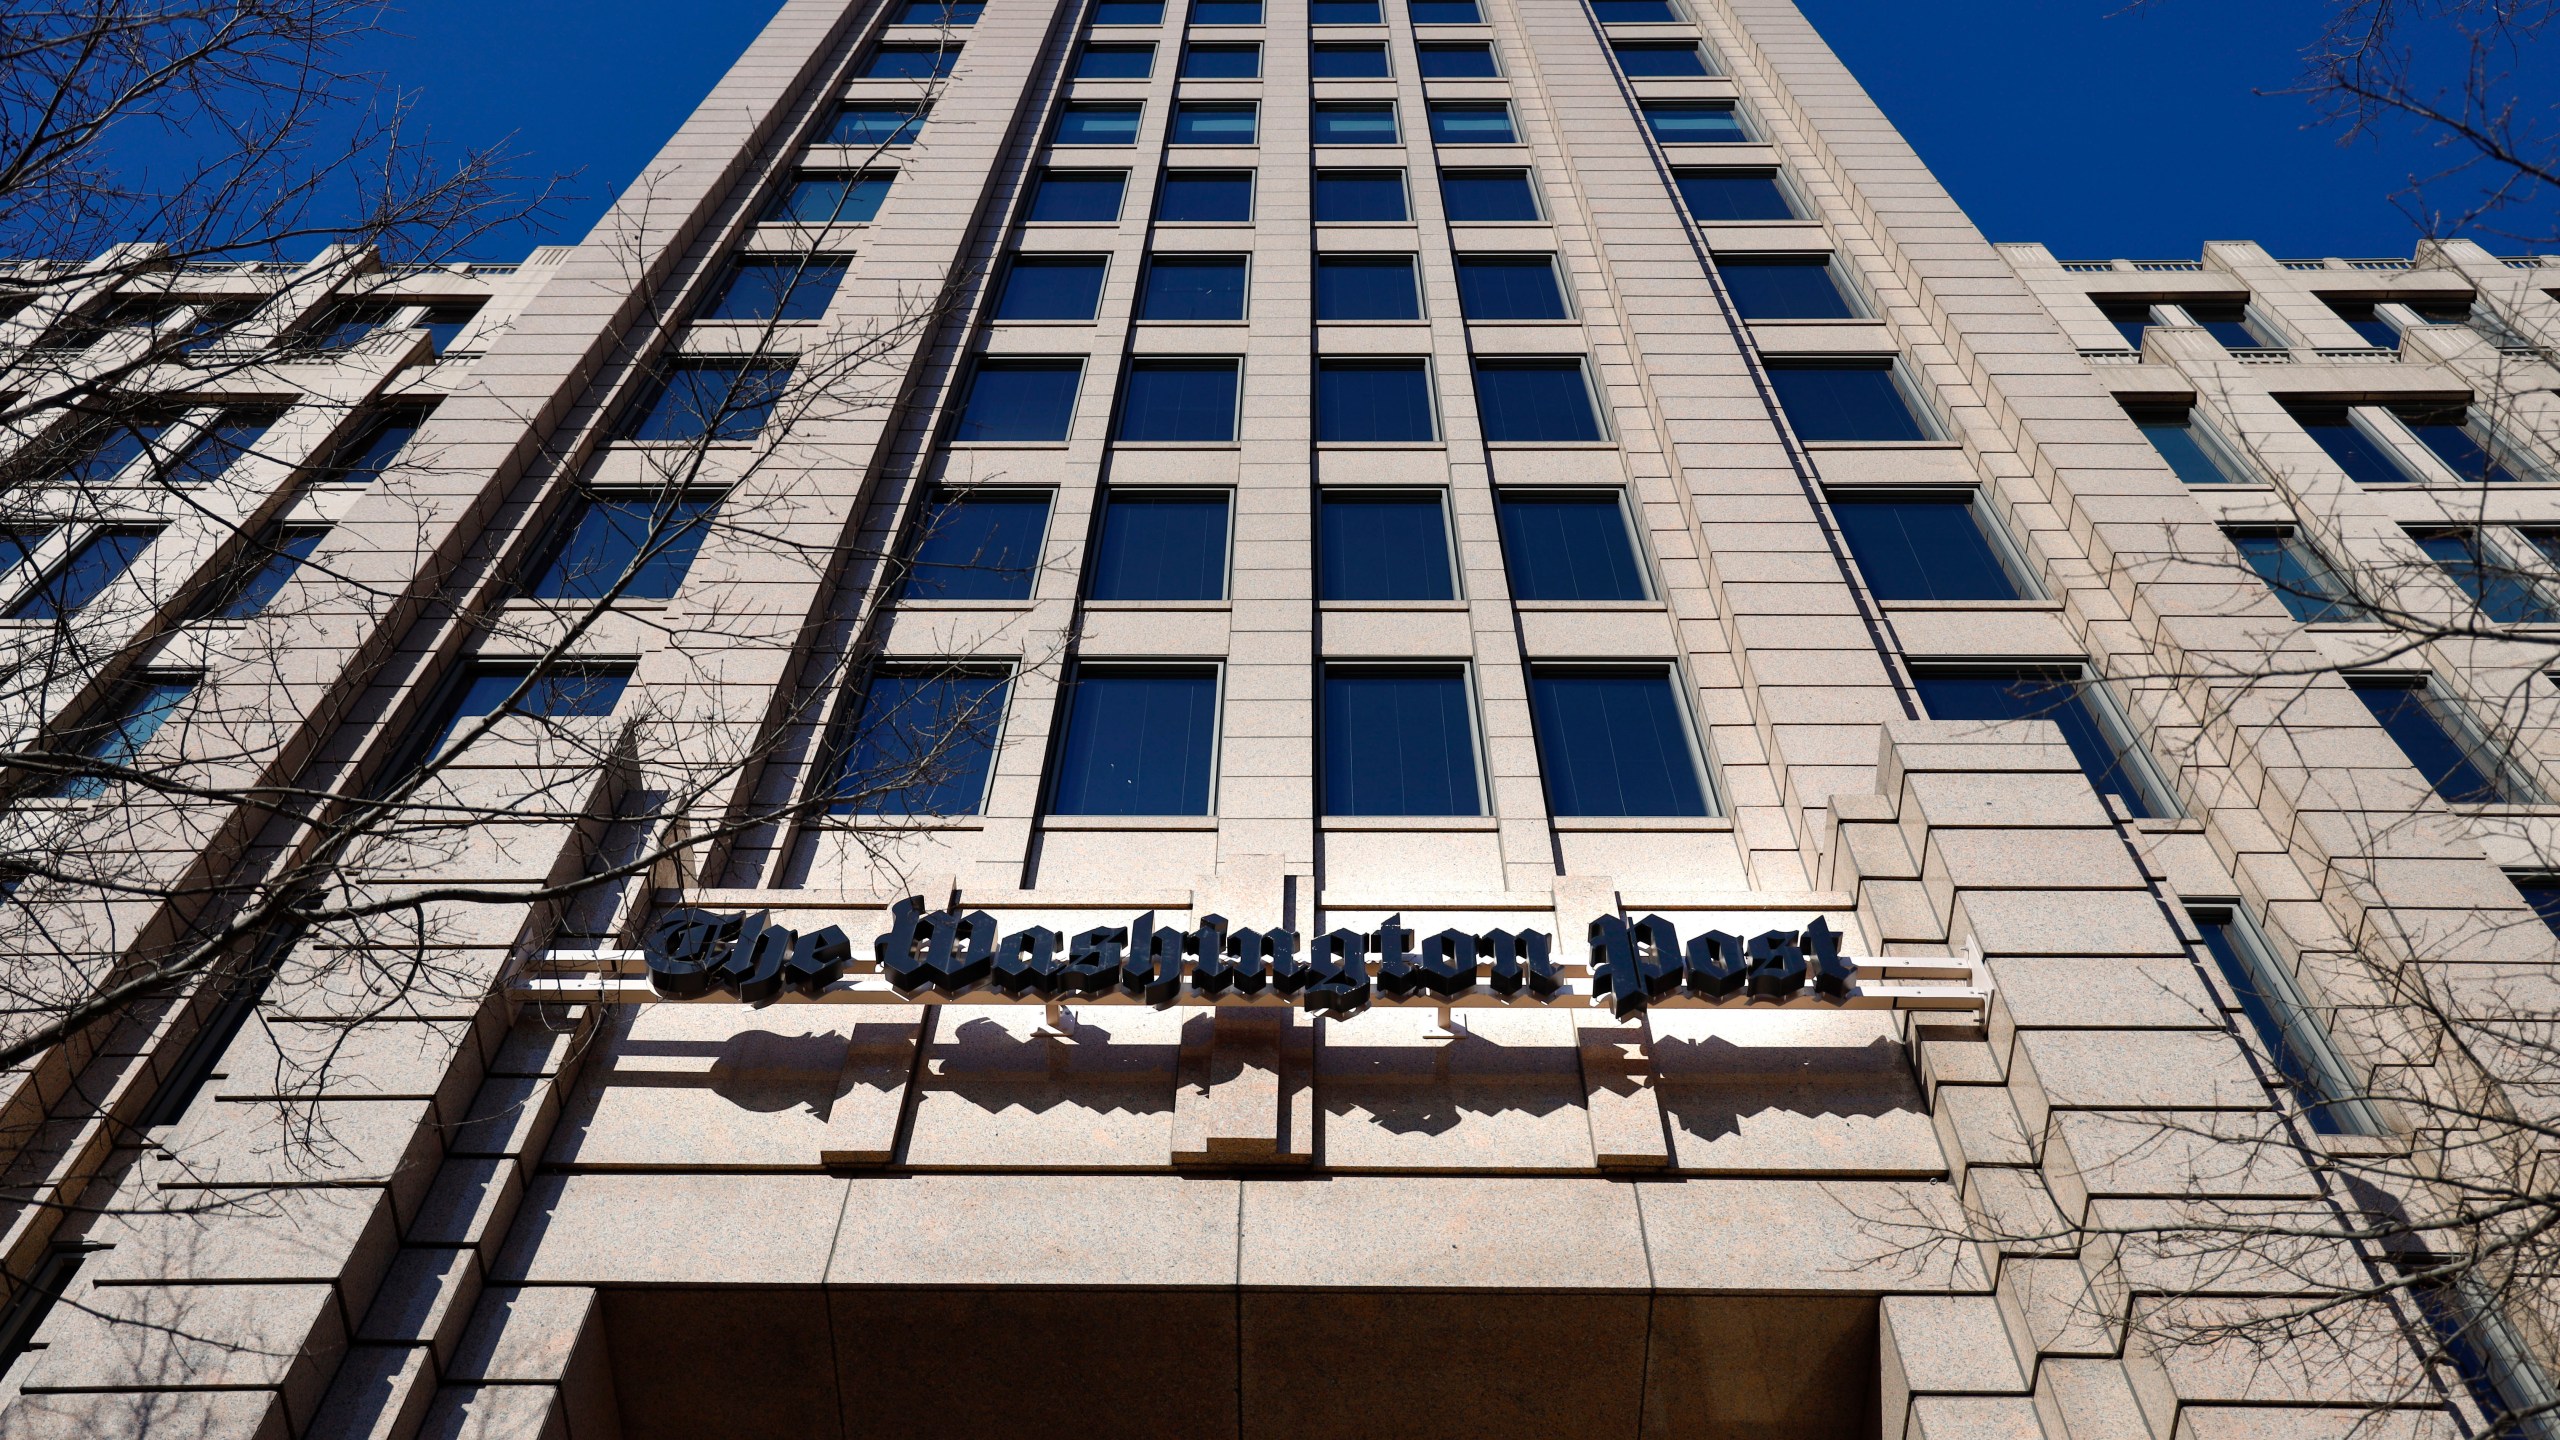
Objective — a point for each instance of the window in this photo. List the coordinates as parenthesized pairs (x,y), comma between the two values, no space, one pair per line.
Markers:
(710,400)
(1222,60)
(97,563)
(1078,196)
(1694,122)
(2187,446)
(2438,740)
(1457,60)
(921,744)
(1344,12)
(1362,123)
(1612,741)
(1845,400)
(1472,122)
(823,197)
(2366,460)
(1373,402)
(1444,12)
(344,325)
(562,693)
(1162,545)
(1194,287)
(1488,196)
(876,125)
(2503,590)
(220,446)
(2132,318)
(1635,12)
(1653,58)
(1927,546)
(258,576)
(1398,741)
(1138,742)
(777,287)
(1535,401)
(1197,122)
(2359,314)
(2233,327)
(1348,60)
(2456,438)
(911,62)
(2306,585)
(1206,197)
(2542,892)
(18,545)
(1385,545)
(2098,738)
(1179,401)
(1785,287)
(1117,62)
(1569,545)
(1020,400)
(2483,1349)
(115,736)
(641,543)
(1129,12)
(1089,123)
(1366,287)
(1360,196)
(941,12)
(979,545)
(1510,287)
(1226,12)
(1052,287)
(373,448)
(101,454)
(2294,1041)
(1715,196)
(2444,310)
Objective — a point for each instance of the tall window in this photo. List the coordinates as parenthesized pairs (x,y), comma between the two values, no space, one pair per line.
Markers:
(2359,315)
(1444,12)
(1128,12)
(1569,545)
(1385,545)
(979,545)
(1856,400)
(872,123)
(1179,400)
(1226,12)
(1138,741)
(2504,591)
(2275,1011)
(1205,197)
(1353,197)
(97,563)
(1786,287)
(831,197)
(1090,123)
(1078,197)
(115,735)
(1932,545)
(1472,122)
(1635,12)
(210,456)
(506,690)
(1535,401)
(1457,60)
(2460,440)
(1367,287)
(18,545)
(1052,287)
(1162,545)
(955,13)
(1489,197)
(777,287)
(1641,59)
(1510,287)
(1220,122)
(2189,449)
(2099,738)
(911,62)
(1194,287)
(1611,741)
(446,323)
(2234,326)
(372,448)
(1355,122)
(1399,740)
(2310,591)
(1020,400)
(709,400)
(1717,196)
(649,538)
(1348,60)
(1117,62)
(1695,122)
(258,576)
(2133,319)
(2366,459)
(1374,401)
(920,744)
(2438,739)
(1344,12)
(1222,60)
(102,453)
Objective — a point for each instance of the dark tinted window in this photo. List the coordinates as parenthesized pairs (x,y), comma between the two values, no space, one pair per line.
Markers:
(1194,287)
(102,455)
(911,62)
(18,545)
(1543,401)
(1634,12)
(1199,123)
(1355,123)
(1510,287)
(1052,287)
(979,545)
(1569,545)
(777,287)
(1021,400)
(565,693)
(1398,742)
(2132,319)
(1226,12)
(2447,433)
(231,436)
(1179,400)
(1853,400)
(1719,195)
(2363,458)
(1206,197)
(920,745)
(941,12)
(2376,331)
(2293,1040)
(1458,60)
(1785,288)
(2231,325)
(1611,742)
(876,125)
(818,197)
(1487,196)
(1138,742)
(1471,122)
(1129,12)
(1444,12)
(1352,196)
(1162,546)
(2503,593)
(115,736)
(1222,60)
(1391,545)
(2175,436)
(1116,62)
(1694,122)
(2296,574)
(373,448)
(2542,892)
(2058,696)
(1078,195)
(1373,401)
(1659,57)
(1349,60)
(2426,729)
(1366,287)
(97,563)
(1344,12)
(650,538)
(713,399)
(1922,547)
(1095,124)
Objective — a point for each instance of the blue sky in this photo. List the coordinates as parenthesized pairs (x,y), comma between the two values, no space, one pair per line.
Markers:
(2101,127)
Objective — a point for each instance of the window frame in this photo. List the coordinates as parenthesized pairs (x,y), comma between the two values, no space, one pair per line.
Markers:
(1491,50)
(1749,130)
(1413,271)
(1048,260)
(1146,281)
(1460,259)
(561,530)
(1136,110)
(2132,756)
(2226,459)
(2519,464)
(1995,537)
(1116,48)
(913,536)
(1186,107)
(1776,175)
(1433,110)
(1649,593)
(1042,179)
(1428,366)
(2498,765)
(1191,45)
(1465,672)
(1053,768)
(2339,1095)
(852,177)
(1080,364)
(1252,192)
(1395,125)
(2493,562)
(945,54)
(1674,677)
(1606,435)
(2339,606)
(728,278)
(1385,53)
(1404,190)
(1111,495)
(1924,416)
(844,734)
(1356,494)
(1234,365)
(1844,283)
(81,739)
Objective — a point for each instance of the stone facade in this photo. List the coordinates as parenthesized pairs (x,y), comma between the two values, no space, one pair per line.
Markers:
(548,1205)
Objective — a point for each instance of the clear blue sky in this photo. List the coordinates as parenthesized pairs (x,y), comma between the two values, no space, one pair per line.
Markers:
(2100,127)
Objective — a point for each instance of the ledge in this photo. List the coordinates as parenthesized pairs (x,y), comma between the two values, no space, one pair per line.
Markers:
(1643,824)
(1128,822)
(1417,823)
